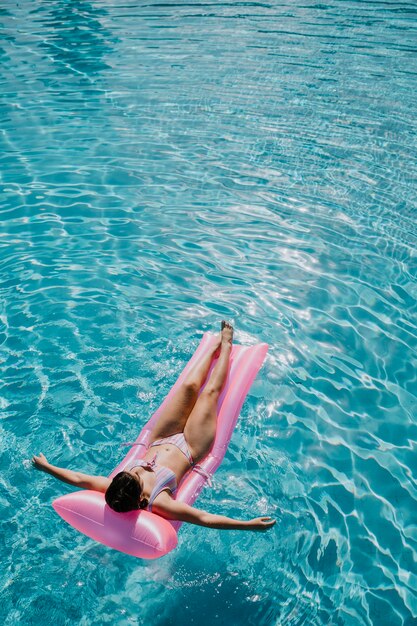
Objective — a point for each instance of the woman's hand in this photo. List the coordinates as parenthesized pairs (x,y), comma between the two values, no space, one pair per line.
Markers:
(40,462)
(77,479)
(261,523)
(172,509)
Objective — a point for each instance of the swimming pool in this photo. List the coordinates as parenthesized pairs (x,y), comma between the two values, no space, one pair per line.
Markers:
(167,165)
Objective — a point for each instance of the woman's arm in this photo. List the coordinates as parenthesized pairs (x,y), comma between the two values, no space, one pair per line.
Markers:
(171,509)
(77,479)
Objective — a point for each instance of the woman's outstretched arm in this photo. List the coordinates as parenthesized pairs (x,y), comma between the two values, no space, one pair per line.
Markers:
(171,509)
(77,479)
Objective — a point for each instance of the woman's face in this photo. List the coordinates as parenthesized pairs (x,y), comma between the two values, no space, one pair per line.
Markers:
(136,472)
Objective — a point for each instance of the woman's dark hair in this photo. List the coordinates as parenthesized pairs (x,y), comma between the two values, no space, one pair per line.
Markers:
(123,493)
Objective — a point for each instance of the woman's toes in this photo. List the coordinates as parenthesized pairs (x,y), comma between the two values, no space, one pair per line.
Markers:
(227,331)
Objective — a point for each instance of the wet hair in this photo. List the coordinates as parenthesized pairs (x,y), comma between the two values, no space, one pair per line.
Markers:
(123,494)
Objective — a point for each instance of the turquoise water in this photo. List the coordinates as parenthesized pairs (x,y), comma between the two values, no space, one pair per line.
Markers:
(167,165)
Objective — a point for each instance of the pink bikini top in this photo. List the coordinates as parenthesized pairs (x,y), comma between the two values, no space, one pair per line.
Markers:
(165,478)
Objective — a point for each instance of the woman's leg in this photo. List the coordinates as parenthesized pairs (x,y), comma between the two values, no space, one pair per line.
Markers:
(200,428)
(174,416)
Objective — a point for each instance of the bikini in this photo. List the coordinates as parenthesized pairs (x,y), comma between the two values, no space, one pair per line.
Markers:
(179,441)
(165,477)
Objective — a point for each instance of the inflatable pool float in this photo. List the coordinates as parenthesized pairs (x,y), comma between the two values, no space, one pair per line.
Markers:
(144,534)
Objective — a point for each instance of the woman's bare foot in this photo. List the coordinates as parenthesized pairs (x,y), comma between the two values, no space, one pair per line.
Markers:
(227,332)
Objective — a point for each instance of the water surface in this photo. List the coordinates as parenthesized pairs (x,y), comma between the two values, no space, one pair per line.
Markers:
(167,165)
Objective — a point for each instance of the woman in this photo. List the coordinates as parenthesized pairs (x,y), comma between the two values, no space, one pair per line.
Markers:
(182,437)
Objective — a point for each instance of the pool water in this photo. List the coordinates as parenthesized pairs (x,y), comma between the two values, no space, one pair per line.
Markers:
(165,165)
